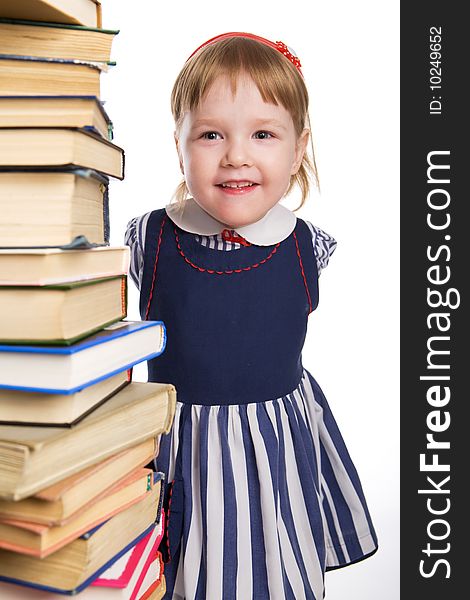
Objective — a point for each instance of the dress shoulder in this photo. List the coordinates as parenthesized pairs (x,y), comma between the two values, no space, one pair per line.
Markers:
(323,245)
(135,239)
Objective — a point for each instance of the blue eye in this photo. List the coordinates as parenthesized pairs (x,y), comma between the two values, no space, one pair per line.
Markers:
(211,135)
(263,135)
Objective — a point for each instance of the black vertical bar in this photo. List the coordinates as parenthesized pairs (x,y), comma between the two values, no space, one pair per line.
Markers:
(435,238)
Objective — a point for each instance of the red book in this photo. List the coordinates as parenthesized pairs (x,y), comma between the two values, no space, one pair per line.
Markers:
(137,573)
(130,577)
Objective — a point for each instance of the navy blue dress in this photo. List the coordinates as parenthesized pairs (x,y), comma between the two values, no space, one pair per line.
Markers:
(263,496)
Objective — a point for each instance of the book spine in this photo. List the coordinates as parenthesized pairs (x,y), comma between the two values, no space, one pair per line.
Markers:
(106,225)
(171,409)
(99,14)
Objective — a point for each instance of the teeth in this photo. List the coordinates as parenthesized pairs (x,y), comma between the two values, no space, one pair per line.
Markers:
(237,185)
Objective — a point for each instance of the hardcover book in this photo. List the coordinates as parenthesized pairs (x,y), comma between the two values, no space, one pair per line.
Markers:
(57,503)
(157,591)
(48,266)
(32,458)
(56,111)
(51,40)
(72,568)
(57,410)
(31,76)
(51,147)
(62,313)
(122,573)
(152,580)
(80,12)
(67,369)
(27,537)
(43,208)
(146,578)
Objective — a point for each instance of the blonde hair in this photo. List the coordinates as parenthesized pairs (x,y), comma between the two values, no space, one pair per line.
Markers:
(276,78)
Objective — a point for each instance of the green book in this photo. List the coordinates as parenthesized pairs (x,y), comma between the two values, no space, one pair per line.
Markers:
(54,40)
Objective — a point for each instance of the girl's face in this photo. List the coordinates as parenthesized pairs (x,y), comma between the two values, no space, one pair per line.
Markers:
(238,152)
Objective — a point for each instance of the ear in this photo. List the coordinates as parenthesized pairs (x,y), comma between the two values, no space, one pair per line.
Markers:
(300,148)
(177,144)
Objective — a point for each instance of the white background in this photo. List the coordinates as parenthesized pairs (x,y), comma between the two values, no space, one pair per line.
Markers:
(349,54)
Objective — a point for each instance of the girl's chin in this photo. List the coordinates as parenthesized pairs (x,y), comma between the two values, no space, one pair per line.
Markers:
(232,214)
(234,221)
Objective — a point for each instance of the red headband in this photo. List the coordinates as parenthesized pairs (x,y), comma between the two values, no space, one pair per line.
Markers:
(279,46)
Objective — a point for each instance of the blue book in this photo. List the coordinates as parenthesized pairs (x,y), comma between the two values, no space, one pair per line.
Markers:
(67,369)
(84,559)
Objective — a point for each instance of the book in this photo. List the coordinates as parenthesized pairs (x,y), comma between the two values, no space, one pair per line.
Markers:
(72,568)
(157,591)
(57,503)
(41,540)
(67,369)
(139,569)
(81,12)
(153,578)
(32,458)
(40,147)
(52,208)
(56,111)
(47,266)
(52,40)
(122,573)
(130,576)
(62,313)
(57,410)
(30,76)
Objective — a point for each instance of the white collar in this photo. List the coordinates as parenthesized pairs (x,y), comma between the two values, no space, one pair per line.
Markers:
(276,225)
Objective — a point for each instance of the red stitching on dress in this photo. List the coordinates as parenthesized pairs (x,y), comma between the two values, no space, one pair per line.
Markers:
(167,522)
(227,272)
(155,268)
(303,273)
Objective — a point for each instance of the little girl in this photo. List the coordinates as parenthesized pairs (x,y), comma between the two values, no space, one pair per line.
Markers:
(262,495)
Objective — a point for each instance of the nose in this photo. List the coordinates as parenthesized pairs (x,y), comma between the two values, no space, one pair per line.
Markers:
(236,155)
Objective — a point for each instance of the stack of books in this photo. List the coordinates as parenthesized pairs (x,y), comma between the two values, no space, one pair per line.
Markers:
(79,510)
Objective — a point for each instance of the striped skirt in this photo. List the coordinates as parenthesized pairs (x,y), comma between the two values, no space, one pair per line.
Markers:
(265,500)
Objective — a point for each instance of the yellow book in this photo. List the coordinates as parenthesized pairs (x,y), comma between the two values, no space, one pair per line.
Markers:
(75,565)
(41,540)
(23,76)
(56,410)
(51,208)
(50,40)
(79,12)
(57,503)
(32,458)
(55,111)
(61,313)
(44,147)
(47,266)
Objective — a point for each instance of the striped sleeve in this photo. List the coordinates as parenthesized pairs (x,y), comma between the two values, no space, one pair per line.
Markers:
(323,246)
(135,239)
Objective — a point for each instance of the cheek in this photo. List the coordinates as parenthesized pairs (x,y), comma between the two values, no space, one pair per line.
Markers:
(196,172)
(193,159)
(280,164)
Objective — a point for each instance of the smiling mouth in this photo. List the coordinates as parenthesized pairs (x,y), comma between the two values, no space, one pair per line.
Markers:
(237,188)
(235,185)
